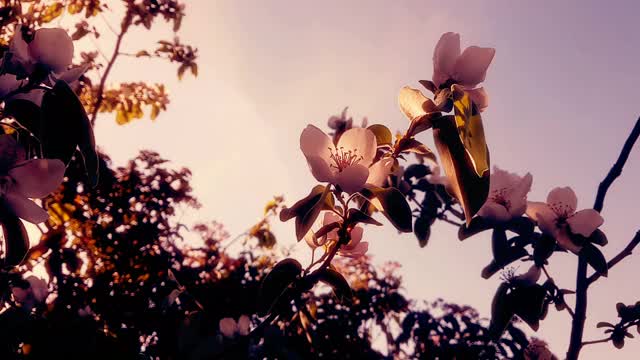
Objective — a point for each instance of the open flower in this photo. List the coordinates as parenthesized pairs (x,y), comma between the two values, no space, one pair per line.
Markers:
(507,197)
(558,217)
(22,179)
(349,164)
(355,248)
(467,69)
(35,294)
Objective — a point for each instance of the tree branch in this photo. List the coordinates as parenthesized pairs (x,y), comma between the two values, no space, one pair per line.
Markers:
(582,282)
(628,250)
(616,170)
(126,22)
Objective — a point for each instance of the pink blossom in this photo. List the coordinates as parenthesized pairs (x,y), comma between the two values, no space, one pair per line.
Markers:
(349,164)
(467,69)
(558,217)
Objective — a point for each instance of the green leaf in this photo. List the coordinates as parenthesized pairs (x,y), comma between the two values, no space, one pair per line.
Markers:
(306,219)
(501,312)
(303,205)
(394,206)
(595,258)
(475,226)
(465,185)
(471,131)
(414,146)
(382,133)
(276,283)
(338,283)
(15,237)
(422,230)
(66,128)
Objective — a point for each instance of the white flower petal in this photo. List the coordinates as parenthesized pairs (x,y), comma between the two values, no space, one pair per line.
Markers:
(445,54)
(362,141)
(471,66)
(356,237)
(563,201)
(563,239)
(358,251)
(480,98)
(38,178)
(72,75)
(353,178)
(21,62)
(320,169)
(546,218)
(585,222)
(25,208)
(379,171)
(495,212)
(315,143)
(53,48)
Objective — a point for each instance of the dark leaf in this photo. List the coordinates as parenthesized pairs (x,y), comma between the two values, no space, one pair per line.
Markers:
(15,237)
(595,258)
(429,85)
(416,171)
(276,283)
(599,238)
(499,244)
(501,312)
(522,226)
(543,249)
(394,206)
(528,304)
(465,185)
(340,286)
(355,216)
(495,265)
(476,225)
(422,230)
(67,127)
(602,324)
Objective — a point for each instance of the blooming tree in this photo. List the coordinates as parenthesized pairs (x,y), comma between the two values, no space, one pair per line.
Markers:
(108,236)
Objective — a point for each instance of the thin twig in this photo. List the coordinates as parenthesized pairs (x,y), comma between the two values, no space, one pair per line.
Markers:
(616,170)
(126,22)
(596,341)
(628,250)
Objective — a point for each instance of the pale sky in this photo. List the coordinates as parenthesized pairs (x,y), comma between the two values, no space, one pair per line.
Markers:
(563,99)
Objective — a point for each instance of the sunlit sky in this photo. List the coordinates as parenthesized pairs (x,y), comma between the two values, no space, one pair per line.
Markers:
(563,99)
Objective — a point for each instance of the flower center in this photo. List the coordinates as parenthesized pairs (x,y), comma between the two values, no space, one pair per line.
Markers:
(343,159)
(499,196)
(561,209)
